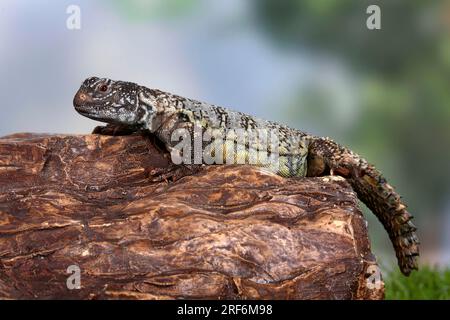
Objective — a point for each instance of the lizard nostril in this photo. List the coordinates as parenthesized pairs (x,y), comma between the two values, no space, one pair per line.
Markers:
(81,98)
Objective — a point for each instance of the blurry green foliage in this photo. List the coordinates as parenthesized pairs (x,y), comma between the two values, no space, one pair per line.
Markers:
(408,33)
(143,10)
(427,283)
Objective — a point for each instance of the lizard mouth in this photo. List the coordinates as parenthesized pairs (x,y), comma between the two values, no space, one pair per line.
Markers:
(90,111)
(85,110)
(81,108)
(98,113)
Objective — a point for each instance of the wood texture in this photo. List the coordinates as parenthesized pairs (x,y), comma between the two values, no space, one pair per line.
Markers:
(222,232)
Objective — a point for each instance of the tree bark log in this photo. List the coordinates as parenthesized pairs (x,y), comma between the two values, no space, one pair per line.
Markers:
(137,228)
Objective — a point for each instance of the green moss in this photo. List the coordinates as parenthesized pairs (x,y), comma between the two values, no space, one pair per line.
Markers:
(428,283)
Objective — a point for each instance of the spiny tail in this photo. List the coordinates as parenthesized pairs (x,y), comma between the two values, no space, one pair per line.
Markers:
(372,189)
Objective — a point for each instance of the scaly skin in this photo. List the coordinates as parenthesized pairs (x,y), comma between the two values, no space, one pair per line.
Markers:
(136,107)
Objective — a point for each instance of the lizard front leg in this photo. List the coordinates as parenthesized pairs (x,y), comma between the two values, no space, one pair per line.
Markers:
(114,130)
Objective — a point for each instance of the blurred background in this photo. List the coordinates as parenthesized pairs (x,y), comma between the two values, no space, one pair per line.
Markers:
(312,64)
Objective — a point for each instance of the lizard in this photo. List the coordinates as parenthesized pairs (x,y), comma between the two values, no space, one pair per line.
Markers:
(136,107)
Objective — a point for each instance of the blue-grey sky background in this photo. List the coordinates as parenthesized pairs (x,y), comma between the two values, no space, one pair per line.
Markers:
(213,53)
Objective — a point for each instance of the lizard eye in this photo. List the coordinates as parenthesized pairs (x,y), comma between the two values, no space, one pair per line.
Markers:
(103,88)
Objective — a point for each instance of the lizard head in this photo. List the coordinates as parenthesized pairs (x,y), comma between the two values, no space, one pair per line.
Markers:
(108,101)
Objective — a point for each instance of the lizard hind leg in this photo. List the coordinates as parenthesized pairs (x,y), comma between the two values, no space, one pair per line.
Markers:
(316,166)
(374,191)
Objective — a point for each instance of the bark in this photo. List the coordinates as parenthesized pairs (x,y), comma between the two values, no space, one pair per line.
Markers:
(140,228)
